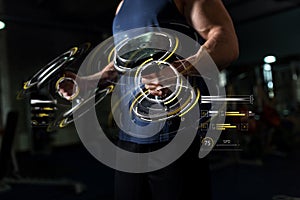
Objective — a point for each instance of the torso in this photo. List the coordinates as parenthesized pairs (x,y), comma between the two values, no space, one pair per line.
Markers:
(178,4)
(133,14)
(139,13)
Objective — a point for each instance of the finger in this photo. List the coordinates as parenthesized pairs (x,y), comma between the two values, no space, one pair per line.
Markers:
(66,85)
(153,87)
(156,92)
(65,95)
(152,81)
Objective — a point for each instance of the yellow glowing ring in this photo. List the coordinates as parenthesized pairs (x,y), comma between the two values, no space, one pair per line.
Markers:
(110,55)
(196,101)
(40,75)
(126,40)
(179,91)
(178,79)
(175,48)
(26,85)
(61,79)
(135,100)
(66,116)
(62,123)
(182,107)
(110,88)
(139,68)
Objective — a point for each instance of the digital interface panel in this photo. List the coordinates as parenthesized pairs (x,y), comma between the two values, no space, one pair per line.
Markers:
(236,124)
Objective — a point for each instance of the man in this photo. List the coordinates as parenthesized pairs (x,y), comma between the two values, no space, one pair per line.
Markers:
(187,177)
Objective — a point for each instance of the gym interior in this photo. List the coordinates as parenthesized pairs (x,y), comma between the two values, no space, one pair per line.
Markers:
(255,157)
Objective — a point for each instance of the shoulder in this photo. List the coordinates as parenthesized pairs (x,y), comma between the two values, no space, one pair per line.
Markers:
(180,5)
(191,3)
(119,7)
(183,4)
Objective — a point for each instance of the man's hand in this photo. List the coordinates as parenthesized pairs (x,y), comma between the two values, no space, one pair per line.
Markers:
(161,79)
(67,86)
(155,83)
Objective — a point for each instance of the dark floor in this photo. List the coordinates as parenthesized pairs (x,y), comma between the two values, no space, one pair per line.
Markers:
(276,175)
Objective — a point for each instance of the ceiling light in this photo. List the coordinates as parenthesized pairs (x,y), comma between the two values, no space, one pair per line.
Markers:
(267,67)
(270,85)
(270,59)
(2,25)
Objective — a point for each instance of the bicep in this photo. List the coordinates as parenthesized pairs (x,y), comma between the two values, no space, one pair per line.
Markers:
(207,15)
(212,21)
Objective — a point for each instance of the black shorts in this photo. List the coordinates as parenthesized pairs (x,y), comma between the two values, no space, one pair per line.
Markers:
(187,178)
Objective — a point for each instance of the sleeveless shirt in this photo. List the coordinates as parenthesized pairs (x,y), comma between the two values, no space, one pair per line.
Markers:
(149,13)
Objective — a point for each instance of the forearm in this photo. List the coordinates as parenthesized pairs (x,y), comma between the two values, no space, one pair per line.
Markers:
(101,79)
(222,46)
(97,76)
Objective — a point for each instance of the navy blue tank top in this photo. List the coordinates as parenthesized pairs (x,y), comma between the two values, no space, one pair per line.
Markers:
(157,13)
(146,13)
(143,13)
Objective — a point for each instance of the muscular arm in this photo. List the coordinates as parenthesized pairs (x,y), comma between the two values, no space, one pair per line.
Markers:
(212,21)
(102,74)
